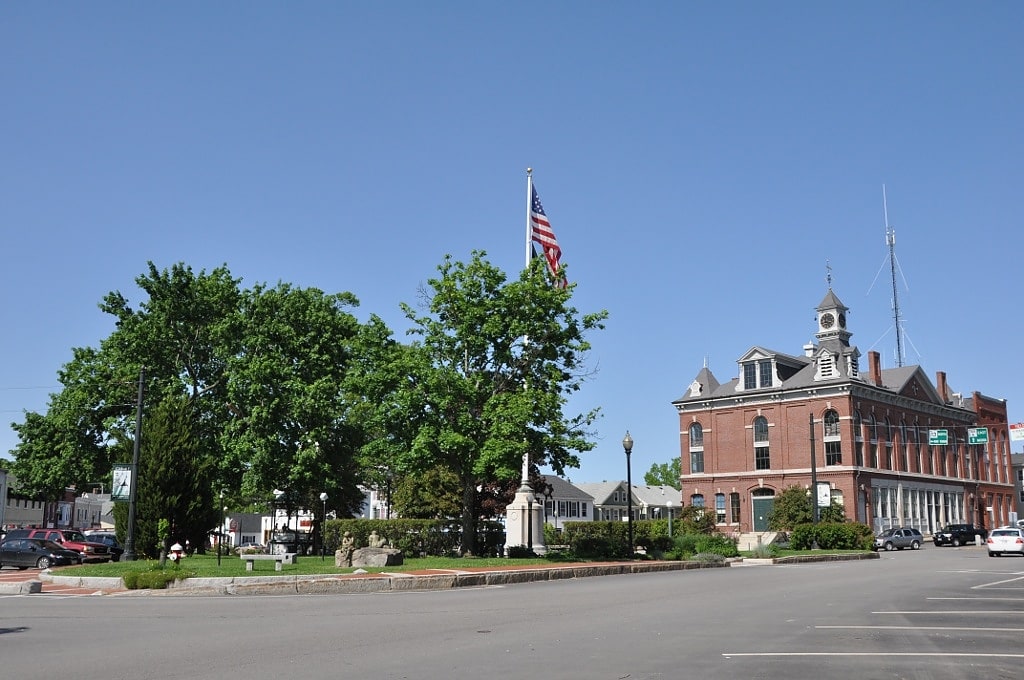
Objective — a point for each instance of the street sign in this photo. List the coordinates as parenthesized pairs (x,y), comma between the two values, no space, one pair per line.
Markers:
(938,437)
(977,435)
(1017,432)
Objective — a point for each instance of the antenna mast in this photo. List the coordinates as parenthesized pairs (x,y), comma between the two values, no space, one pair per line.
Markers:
(890,240)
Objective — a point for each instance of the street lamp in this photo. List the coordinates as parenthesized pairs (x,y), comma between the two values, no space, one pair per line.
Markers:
(323,529)
(669,504)
(627,446)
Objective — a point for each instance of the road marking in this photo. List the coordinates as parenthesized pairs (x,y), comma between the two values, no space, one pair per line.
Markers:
(954,611)
(945,654)
(979,599)
(1007,630)
(998,583)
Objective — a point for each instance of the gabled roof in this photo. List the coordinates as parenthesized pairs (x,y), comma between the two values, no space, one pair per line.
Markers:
(657,495)
(904,379)
(602,491)
(563,490)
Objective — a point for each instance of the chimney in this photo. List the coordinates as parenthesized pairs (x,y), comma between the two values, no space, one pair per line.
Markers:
(941,386)
(875,368)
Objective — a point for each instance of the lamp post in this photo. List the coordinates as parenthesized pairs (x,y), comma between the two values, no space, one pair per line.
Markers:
(669,504)
(627,446)
(220,529)
(323,529)
(548,491)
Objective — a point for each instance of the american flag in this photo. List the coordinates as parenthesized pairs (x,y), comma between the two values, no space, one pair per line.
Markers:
(545,236)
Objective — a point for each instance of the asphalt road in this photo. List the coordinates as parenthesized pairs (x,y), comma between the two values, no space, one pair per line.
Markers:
(934,613)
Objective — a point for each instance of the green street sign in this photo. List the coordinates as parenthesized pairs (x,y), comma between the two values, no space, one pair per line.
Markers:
(938,437)
(977,435)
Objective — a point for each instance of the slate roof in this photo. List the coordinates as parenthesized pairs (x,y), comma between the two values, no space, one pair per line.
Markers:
(563,490)
(602,491)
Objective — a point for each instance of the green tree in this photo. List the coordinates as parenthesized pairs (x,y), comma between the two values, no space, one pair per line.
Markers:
(664,474)
(485,382)
(289,429)
(174,480)
(261,369)
(791,507)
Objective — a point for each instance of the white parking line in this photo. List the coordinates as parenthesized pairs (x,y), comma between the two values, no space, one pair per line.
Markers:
(887,654)
(1005,630)
(954,611)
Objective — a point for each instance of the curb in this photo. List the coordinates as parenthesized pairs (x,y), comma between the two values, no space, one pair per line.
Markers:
(22,588)
(342,584)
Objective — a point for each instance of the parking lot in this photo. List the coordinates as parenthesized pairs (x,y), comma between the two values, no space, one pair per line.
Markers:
(930,613)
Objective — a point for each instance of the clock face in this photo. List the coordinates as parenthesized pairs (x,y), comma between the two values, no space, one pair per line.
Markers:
(842,321)
(827,320)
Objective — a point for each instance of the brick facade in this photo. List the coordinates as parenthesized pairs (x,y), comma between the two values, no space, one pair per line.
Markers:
(752,437)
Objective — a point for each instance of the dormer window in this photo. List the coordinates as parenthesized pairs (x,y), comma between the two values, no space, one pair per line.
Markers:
(757,374)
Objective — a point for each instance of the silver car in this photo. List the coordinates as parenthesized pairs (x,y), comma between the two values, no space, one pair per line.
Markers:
(898,538)
(1005,540)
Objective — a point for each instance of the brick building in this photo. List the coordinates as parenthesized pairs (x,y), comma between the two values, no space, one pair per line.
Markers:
(744,441)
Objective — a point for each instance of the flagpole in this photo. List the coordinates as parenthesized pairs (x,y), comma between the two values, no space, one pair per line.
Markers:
(523,516)
(524,482)
(529,226)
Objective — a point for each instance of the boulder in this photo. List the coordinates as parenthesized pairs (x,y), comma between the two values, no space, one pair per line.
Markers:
(376,557)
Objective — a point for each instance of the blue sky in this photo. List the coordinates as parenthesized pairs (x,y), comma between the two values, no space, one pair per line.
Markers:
(700,163)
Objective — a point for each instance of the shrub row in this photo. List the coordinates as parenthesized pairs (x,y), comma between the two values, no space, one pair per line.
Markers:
(831,536)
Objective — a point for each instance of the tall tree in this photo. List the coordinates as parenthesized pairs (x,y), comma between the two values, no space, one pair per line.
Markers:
(261,368)
(664,474)
(182,333)
(174,479)
(289,431)
(485,382)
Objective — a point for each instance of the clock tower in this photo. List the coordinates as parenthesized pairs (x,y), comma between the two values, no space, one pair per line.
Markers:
(832,320)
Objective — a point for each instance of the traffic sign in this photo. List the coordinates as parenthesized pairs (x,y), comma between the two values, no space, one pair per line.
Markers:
(1016,432)
(977,435)
(938,437)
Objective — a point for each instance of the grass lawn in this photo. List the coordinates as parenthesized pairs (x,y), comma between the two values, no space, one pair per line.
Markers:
(205,566)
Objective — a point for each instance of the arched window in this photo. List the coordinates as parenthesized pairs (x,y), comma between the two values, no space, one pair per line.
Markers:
(888,445)
(872,426)
(762,456)
(858,439)
(904,448)
(696,448)
(719,508)
(833,445)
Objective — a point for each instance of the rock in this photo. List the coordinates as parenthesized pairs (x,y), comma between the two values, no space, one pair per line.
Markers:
(376,557)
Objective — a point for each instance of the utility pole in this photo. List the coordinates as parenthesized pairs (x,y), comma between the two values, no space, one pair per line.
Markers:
(129,544)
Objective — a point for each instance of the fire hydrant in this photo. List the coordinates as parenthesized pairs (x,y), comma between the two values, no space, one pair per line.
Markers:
(176,551)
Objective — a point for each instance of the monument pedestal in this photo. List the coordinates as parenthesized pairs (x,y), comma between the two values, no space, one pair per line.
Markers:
(524,522)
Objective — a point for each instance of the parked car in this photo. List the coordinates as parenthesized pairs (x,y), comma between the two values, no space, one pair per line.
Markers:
(1005,540)
(72,539)
(36,552)
(899,538)
(110,540)
(959,534)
